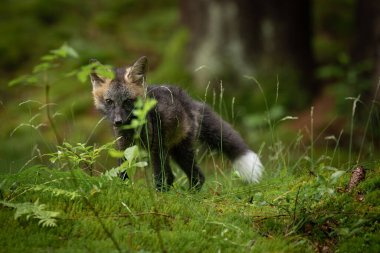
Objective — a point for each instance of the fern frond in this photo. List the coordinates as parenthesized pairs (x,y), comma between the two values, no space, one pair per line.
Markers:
(56,191)
(34,210)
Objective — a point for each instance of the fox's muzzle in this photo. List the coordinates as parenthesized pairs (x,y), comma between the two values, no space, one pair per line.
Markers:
(118,123)
(118,118)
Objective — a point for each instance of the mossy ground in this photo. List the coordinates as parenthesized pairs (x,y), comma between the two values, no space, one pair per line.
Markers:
(283,213)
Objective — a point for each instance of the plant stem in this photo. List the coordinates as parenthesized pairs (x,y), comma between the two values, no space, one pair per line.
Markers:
(368,121)
(48,114)
(312,139)
(295,205)
(356,100)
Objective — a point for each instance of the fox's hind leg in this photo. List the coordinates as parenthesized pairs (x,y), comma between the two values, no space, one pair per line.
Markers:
(162,170)
(183,155)
(168,173)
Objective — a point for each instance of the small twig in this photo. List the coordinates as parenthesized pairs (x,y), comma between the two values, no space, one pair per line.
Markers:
(261,218)
(123,215)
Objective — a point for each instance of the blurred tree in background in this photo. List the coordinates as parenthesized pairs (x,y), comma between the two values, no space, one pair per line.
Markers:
(367,39)
(310,48)
(236,38)
(233,38)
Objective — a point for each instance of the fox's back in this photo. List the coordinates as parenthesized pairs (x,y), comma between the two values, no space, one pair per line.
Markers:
(176,112)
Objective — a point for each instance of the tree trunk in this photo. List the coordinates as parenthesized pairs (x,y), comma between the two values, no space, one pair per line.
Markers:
(367,39)
(233,38)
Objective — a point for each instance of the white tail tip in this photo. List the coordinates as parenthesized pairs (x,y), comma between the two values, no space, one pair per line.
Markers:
(249,167)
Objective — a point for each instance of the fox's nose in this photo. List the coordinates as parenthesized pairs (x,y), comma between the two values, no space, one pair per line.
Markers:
(118,123)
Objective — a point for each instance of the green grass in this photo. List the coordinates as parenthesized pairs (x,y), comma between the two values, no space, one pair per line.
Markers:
(284,213)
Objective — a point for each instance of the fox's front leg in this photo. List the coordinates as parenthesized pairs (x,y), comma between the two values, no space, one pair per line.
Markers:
(122,143)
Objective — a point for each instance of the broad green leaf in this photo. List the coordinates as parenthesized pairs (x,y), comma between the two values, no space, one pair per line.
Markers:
(49,57)
(83,75)
(42,67)
(71,51)
(18,80)
(131,153)
(133,125)
(23,79)
(116,153)
(105,71)
(65,51)
(85,71)
(141,164)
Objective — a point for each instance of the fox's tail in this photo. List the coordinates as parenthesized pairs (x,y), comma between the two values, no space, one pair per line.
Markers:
(219,135)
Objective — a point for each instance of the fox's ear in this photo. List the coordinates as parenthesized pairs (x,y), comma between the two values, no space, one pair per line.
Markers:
(137,72)
(96,80)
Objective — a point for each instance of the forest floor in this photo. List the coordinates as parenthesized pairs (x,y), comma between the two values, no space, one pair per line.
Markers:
(49,210)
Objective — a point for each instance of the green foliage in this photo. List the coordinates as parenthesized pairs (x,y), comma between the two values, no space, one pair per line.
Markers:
(134,159)
(298,214)
(48,62)
(34,211)
(77,156)
(287,213)
(300,205)
(142,107)
(348,79)
(56,192)
(105,33)
(95,67)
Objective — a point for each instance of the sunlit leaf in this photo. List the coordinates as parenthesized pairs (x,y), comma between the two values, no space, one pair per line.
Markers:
(116,153)
(23,79)
(105,71)
(141,164)
(49,57)
(42,67)
(131,153)
(65,51)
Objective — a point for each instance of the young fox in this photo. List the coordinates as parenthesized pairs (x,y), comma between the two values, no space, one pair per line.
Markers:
(173,126)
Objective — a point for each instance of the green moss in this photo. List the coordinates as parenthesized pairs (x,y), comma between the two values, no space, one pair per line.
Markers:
(223,216)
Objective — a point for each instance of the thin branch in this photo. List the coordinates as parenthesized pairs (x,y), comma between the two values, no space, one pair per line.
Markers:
(123,215)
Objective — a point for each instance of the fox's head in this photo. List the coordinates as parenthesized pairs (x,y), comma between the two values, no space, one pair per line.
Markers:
(115,97)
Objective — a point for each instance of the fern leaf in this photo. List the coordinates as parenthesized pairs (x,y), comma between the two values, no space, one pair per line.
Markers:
(34,210)
(57,192)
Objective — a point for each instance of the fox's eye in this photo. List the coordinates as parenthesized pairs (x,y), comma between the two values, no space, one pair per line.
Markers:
(128,102)
(109,102)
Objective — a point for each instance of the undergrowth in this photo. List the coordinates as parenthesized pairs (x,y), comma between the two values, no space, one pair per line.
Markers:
(64,204)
